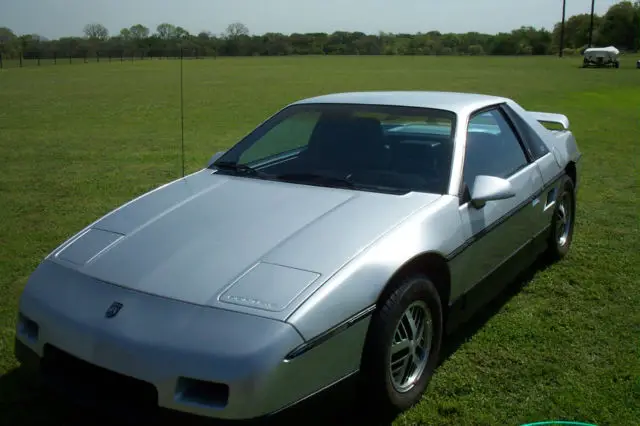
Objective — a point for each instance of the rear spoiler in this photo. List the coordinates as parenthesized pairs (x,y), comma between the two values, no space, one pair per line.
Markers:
(548,117)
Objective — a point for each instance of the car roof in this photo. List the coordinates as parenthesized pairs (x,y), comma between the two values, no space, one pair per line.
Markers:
(459,103)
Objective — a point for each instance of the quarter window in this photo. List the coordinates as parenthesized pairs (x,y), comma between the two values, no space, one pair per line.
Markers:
(493,149)
(537,147)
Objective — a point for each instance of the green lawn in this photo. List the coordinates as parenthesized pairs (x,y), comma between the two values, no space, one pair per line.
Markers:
(78,140)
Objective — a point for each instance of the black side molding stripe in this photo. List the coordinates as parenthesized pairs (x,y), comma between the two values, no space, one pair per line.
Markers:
(323,337)
(504,218)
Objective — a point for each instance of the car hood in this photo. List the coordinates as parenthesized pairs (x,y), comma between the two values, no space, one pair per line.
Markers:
(234,242)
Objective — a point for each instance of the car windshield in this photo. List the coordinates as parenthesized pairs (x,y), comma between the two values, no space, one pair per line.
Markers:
(390,149)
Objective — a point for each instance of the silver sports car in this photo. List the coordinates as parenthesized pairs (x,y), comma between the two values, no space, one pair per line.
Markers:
(348,233)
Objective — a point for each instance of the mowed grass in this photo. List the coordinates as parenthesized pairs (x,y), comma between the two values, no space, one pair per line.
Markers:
(78,140)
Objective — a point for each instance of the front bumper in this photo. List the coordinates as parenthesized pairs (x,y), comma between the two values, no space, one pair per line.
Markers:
(162,353)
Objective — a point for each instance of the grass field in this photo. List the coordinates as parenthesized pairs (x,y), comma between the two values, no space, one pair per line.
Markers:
(78,140)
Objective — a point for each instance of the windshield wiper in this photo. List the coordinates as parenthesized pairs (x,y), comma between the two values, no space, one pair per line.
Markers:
(314,178)
(238,168)
(317,178)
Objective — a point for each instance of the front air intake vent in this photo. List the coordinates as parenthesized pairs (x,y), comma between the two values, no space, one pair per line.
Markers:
(28,328)
(199,392)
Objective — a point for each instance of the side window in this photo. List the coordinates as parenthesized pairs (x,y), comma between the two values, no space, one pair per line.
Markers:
(493,149)
(292,133)
(536,145)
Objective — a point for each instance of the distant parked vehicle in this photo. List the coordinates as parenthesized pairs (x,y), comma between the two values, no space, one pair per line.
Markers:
(601,57)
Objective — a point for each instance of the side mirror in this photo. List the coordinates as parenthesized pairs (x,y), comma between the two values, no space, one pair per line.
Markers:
(490,188)
(214,157)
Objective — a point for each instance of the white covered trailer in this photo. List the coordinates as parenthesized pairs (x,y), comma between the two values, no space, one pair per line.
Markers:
(601,57)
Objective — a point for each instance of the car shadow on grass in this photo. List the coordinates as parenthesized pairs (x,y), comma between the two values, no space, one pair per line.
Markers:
(23,401)
(489,310)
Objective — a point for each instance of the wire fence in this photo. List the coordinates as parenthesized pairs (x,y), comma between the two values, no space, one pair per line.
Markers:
(34,60)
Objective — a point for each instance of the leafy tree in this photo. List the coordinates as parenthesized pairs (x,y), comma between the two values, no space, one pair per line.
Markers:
(125,34)
(636,23)
(181,34)
(619,26)
(476,49)
(9,46)
(96,31)
(576,31)
(166,31)
(138,32)
(236,30)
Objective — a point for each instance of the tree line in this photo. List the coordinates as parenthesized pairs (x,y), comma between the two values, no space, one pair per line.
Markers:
(619,26)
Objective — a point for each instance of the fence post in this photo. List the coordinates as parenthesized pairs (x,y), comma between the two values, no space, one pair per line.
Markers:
(98,57)
(20,59)
(55,58)
(1,61)
(85,57)
(69,56)
(38,59)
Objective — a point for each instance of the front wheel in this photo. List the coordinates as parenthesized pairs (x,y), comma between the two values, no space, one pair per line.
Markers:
(562,223)
(403,345)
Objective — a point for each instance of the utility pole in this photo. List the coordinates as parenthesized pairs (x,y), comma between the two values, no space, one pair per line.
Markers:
(591,26)
(564,12)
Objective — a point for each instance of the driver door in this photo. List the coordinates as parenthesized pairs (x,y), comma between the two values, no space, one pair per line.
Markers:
(500,229)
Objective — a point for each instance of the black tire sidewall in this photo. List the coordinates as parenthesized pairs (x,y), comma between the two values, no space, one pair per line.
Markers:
(557,251)
(382,327)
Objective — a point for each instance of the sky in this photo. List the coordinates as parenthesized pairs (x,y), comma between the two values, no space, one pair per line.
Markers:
(58,18)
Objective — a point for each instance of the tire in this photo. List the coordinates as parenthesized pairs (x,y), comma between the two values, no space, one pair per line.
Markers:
(415,294)
(562,222)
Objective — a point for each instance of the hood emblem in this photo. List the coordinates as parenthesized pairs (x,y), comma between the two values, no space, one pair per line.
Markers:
(113,310)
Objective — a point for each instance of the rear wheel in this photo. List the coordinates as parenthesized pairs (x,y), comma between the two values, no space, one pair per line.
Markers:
(562,223)
(403,345)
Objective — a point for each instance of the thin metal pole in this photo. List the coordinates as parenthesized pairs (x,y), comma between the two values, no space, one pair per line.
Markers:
(591,26)
(564,13)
